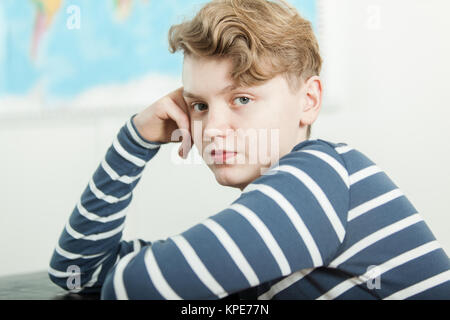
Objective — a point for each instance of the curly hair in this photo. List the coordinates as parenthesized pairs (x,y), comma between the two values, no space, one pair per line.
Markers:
(262,38)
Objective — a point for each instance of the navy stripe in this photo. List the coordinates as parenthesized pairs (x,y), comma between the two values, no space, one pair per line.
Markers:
(252,246)
(178,273)
(100,207)
(378,218)
(355,161)
(281,227)
(370,188)
(118,190)
(410,273)
(220,264)
(87,247)
(139,287)
(84,226)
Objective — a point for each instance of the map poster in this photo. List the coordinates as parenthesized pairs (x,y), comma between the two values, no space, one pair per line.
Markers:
(84,54)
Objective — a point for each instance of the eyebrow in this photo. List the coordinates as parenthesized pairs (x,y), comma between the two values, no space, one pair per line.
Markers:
(188,94)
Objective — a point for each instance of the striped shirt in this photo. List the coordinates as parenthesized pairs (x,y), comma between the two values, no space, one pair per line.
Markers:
(328,223)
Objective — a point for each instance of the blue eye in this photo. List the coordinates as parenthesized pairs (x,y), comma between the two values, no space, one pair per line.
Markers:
(247,99)
(194,104)
(204,106)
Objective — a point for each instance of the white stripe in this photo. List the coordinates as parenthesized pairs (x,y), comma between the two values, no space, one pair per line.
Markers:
(251,187)
(94,277)
(386,266)
(234,251)
(294,217)
(364,173)
(420,286)
(93,237)
(136,245)
(137,139)
(285,283)
(339,168)
(343,149)
(374,203)
(115,176)
(126,155)
(198,267)
(93,217)
(91,282)
(357,247)
(108,198)
(374,237)
(320,196)
(118,283)
(117,261)
(61,274)
(157,277)
(266,236)
(73,256)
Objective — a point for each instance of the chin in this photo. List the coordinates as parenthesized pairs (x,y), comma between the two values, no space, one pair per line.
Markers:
(234,176)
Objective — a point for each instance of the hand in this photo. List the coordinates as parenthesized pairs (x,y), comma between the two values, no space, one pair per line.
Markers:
(158,122)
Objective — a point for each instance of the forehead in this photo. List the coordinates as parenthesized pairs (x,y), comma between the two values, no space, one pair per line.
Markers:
(211,76)
(206,69)
(203,76)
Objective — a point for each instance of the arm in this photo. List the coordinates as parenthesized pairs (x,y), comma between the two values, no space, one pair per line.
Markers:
(90,244)
(294,219)
(91,240)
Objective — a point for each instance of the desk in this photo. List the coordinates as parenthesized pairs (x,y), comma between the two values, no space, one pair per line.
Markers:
(36,286)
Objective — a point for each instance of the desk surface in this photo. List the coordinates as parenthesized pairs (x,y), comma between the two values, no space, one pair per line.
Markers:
(36,286)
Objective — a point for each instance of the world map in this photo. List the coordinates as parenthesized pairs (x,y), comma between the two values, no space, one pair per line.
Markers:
(54,53)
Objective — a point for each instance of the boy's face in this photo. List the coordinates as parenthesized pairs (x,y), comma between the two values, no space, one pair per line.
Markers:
(260,124)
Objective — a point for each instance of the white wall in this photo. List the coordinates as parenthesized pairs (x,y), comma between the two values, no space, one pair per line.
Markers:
(389,71)
(387,80)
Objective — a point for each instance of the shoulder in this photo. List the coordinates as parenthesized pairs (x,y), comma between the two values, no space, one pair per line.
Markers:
(310,182)
(310,161)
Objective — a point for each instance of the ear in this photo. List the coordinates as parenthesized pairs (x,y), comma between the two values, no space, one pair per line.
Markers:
(312,94)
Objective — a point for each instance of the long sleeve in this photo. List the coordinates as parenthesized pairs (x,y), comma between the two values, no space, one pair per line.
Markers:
(90,243)
(292,219)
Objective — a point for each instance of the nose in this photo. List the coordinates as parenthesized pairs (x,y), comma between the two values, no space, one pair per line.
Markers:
(218,123)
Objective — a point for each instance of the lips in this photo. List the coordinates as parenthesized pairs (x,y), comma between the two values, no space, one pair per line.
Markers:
(222,155)
(214,152)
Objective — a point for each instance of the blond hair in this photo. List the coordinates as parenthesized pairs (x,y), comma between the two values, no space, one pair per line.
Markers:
(262,38)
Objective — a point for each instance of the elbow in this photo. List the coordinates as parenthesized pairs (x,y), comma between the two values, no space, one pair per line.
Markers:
(56,272)
(59,280)
(65,274)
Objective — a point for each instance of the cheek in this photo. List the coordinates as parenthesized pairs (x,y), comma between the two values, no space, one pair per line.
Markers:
(269,115)
(196,131)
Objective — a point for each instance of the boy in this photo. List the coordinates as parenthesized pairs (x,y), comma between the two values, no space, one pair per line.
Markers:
(315,219)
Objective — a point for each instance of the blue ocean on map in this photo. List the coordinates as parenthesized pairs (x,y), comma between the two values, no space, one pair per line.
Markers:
(92,54)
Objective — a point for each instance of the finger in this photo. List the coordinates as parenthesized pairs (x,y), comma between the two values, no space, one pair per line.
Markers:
(177,97)
(182,121)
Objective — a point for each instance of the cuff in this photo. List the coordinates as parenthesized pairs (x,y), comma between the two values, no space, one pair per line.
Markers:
(138,138)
